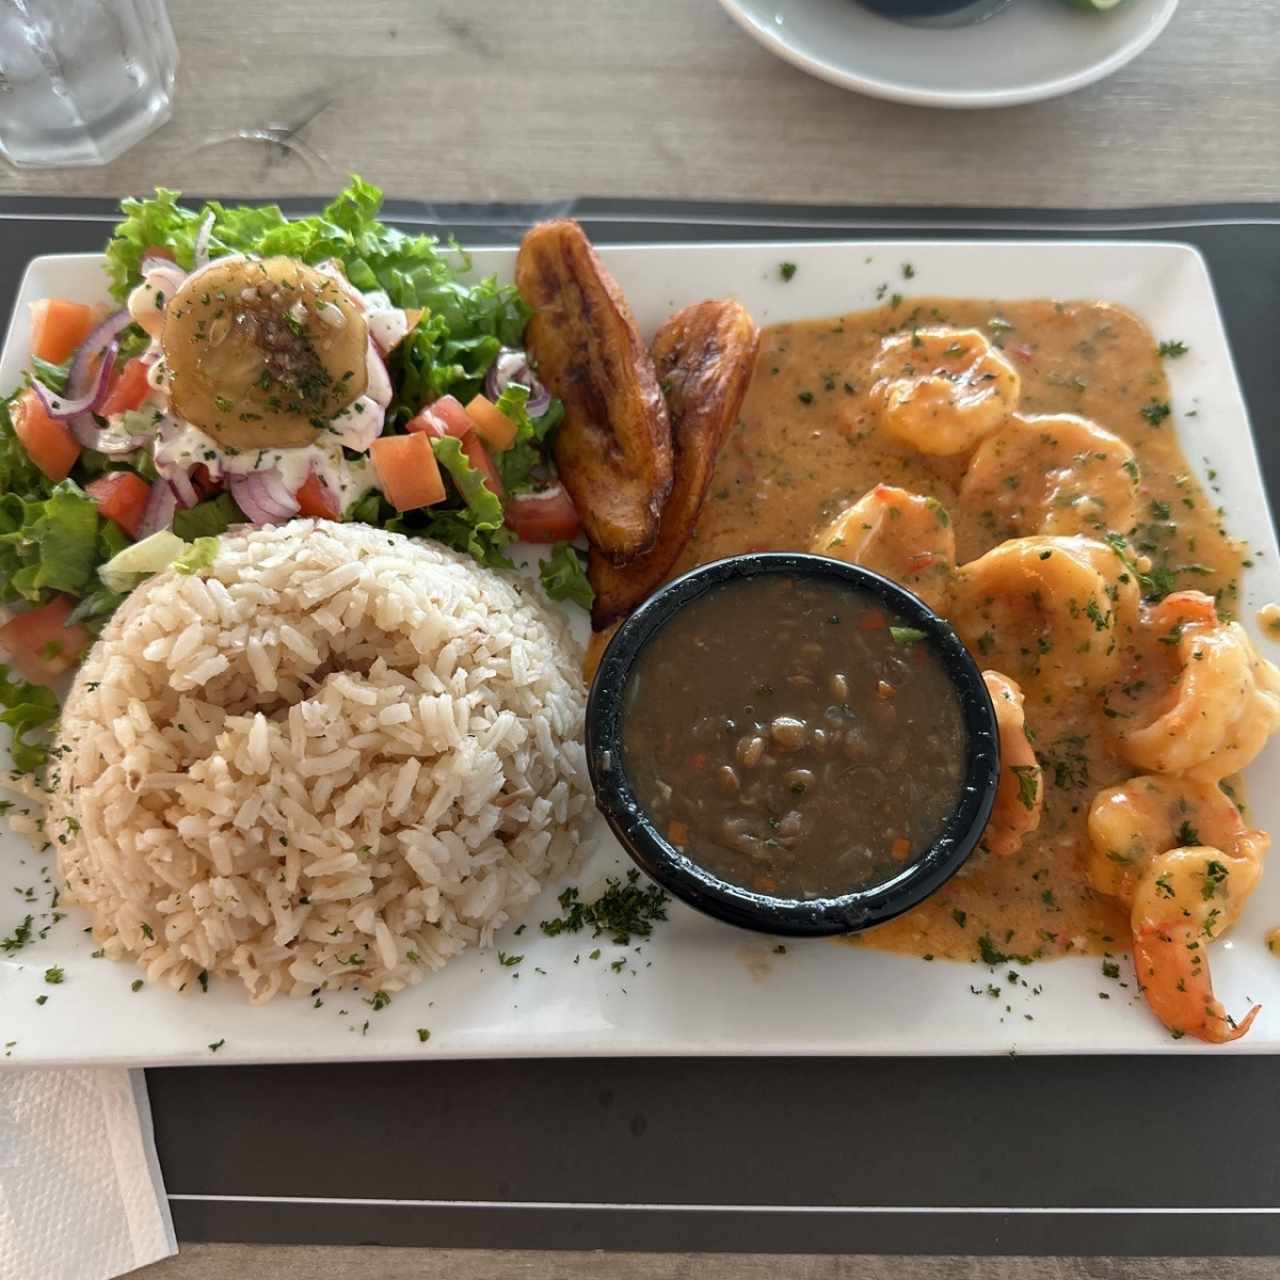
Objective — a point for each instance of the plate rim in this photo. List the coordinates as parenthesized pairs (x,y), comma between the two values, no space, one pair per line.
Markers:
(978,100)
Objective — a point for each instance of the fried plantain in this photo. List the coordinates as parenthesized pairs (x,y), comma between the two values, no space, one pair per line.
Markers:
(613,448)
(705,355)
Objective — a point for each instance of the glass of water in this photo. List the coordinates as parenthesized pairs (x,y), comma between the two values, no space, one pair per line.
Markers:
(82,80)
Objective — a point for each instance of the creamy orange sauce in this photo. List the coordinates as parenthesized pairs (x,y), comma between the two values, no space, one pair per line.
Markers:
(809,444)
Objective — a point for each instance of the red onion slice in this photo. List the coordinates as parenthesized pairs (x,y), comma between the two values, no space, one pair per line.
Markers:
(263,496)
(512,365)
(202,242)
(68,406)
(179,480)
(82,367)
(162,502)
(154,263)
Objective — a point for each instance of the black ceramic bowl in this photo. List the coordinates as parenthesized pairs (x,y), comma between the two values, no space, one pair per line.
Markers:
(795,917)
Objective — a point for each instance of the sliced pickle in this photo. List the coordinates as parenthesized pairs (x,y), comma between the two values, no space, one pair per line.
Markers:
(263,353)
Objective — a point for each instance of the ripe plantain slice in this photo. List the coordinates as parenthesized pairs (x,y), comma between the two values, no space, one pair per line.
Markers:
(613,449)
(705,356)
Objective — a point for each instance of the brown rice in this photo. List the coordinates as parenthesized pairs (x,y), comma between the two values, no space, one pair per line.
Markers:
(338,755)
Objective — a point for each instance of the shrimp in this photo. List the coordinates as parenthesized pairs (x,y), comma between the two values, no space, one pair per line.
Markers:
(1217,701)
(1057,474)
(941,390)
(1133,823)
(902,535)
(1020,795)
(1178,854)
(1057,614)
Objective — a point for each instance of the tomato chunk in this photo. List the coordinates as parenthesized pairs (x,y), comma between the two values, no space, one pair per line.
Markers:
(128,389)
(48,441)
(493,425)
(479,458)
(549,516)
(442,417)
(407,471)
(58,327)
(315,498)
(40,645)
(121,496)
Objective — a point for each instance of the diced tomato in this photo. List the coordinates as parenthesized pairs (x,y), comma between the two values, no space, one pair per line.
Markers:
(203,483)
(678,832)
(549,516)
(443,417)
(315,498)
(408,473)
(872,620)
(900,848)
(456,419)
(128,389)
(40,644)
(479,458)
(919,562)
(58,327)
(48,441)
(121,496)
(495,428)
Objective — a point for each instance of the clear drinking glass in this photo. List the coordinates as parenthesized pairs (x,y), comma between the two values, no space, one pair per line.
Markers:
(82,80)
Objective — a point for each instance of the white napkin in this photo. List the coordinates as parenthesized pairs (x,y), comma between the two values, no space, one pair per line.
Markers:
(81,1196)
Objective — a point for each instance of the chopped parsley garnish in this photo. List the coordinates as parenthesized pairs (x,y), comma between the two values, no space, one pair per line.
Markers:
(379,1001)
(508,961)
(787,270)
(423,1035)
(1215,875)
(216,1045)
(1187,835)
(1172,350)
(54,976)
(1028,784)
(1155,411)
(624,910)
(905,637)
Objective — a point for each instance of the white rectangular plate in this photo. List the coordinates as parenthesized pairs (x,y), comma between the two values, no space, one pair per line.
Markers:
(699,987)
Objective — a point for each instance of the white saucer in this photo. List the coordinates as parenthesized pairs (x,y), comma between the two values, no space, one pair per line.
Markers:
(1034,49)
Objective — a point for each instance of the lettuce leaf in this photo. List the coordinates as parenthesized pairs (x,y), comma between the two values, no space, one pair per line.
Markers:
(564,575)
(523,465)
(19,476)
(48,545)
(27,708)
(411,269)
(463,323)
(207,519)
(199,555)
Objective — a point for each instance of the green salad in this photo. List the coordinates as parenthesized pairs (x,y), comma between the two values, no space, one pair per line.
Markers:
(260,368)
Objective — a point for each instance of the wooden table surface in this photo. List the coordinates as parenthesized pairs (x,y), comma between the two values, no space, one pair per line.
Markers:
(508,100)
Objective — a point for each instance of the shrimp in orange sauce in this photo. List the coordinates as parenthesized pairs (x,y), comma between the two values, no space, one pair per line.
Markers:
(904,536)
(1052,473)
(941,390)
(1020,794)
(1177,853)
(1202,702)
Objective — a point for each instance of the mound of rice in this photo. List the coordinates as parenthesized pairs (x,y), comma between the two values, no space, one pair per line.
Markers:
(336,756)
